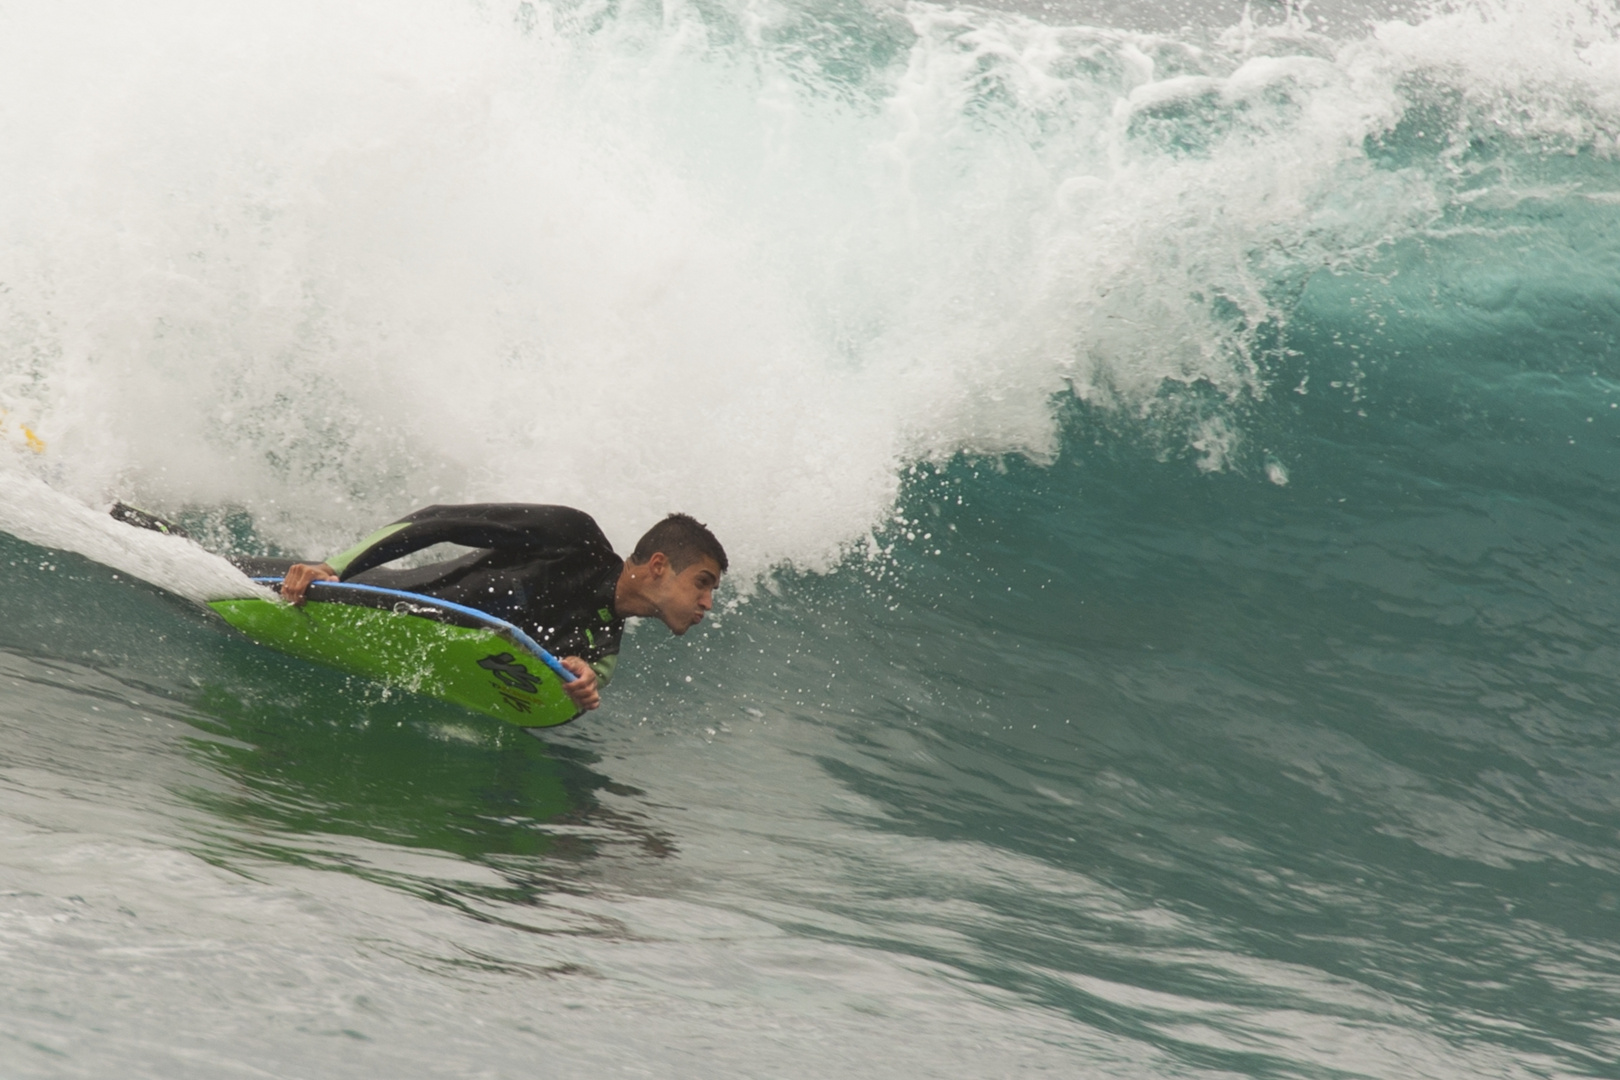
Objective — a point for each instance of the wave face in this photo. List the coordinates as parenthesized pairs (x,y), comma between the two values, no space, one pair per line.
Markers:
(1170,477)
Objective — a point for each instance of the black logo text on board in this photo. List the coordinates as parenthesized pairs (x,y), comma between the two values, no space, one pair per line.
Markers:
(506,668)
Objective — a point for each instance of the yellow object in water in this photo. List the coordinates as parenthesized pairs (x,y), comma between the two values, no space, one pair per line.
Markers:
(30,439)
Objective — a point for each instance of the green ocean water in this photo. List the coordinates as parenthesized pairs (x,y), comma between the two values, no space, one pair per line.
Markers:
(1169,466)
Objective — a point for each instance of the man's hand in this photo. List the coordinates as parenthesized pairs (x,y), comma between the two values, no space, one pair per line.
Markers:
(299,575)
(583,689)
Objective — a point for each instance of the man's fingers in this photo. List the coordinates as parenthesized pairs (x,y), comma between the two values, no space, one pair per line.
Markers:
(296,583)
(583,690)
(588,698)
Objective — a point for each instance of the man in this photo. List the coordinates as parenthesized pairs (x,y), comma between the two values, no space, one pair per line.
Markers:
(547,569)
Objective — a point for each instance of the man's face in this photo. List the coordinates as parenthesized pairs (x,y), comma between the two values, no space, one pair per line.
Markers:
(684,598)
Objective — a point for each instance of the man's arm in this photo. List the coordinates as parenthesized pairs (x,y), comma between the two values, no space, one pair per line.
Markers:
(495,526)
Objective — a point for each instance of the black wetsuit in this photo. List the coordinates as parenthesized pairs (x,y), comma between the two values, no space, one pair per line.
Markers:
(546,569)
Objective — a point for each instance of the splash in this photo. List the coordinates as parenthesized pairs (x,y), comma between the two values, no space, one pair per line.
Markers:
(322,267)
(30,510)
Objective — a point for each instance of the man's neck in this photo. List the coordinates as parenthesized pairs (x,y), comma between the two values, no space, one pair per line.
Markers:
(629,600)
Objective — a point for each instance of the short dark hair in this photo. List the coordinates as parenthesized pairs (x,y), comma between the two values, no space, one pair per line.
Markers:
(683,539)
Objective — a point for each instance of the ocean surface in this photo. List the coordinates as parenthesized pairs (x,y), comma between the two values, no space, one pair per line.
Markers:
(1170,459)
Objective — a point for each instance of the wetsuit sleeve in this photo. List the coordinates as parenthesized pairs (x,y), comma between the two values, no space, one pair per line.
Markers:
(537,530)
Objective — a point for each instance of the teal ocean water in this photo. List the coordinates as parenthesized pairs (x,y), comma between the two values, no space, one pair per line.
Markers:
(1168,453)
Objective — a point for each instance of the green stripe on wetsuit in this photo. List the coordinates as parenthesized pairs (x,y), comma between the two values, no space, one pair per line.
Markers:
(340,562)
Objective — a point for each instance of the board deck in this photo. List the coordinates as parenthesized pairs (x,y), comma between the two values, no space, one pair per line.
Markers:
(428,646)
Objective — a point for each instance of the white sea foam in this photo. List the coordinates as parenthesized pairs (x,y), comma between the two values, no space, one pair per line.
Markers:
(328,264)
(32,511)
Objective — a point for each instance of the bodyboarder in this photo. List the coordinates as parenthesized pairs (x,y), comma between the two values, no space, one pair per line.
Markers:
(547,569)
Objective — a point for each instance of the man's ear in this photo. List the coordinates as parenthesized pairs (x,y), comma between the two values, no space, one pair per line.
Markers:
(658,564)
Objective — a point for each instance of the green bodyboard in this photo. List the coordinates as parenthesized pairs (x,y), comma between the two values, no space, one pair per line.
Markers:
(479,668)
